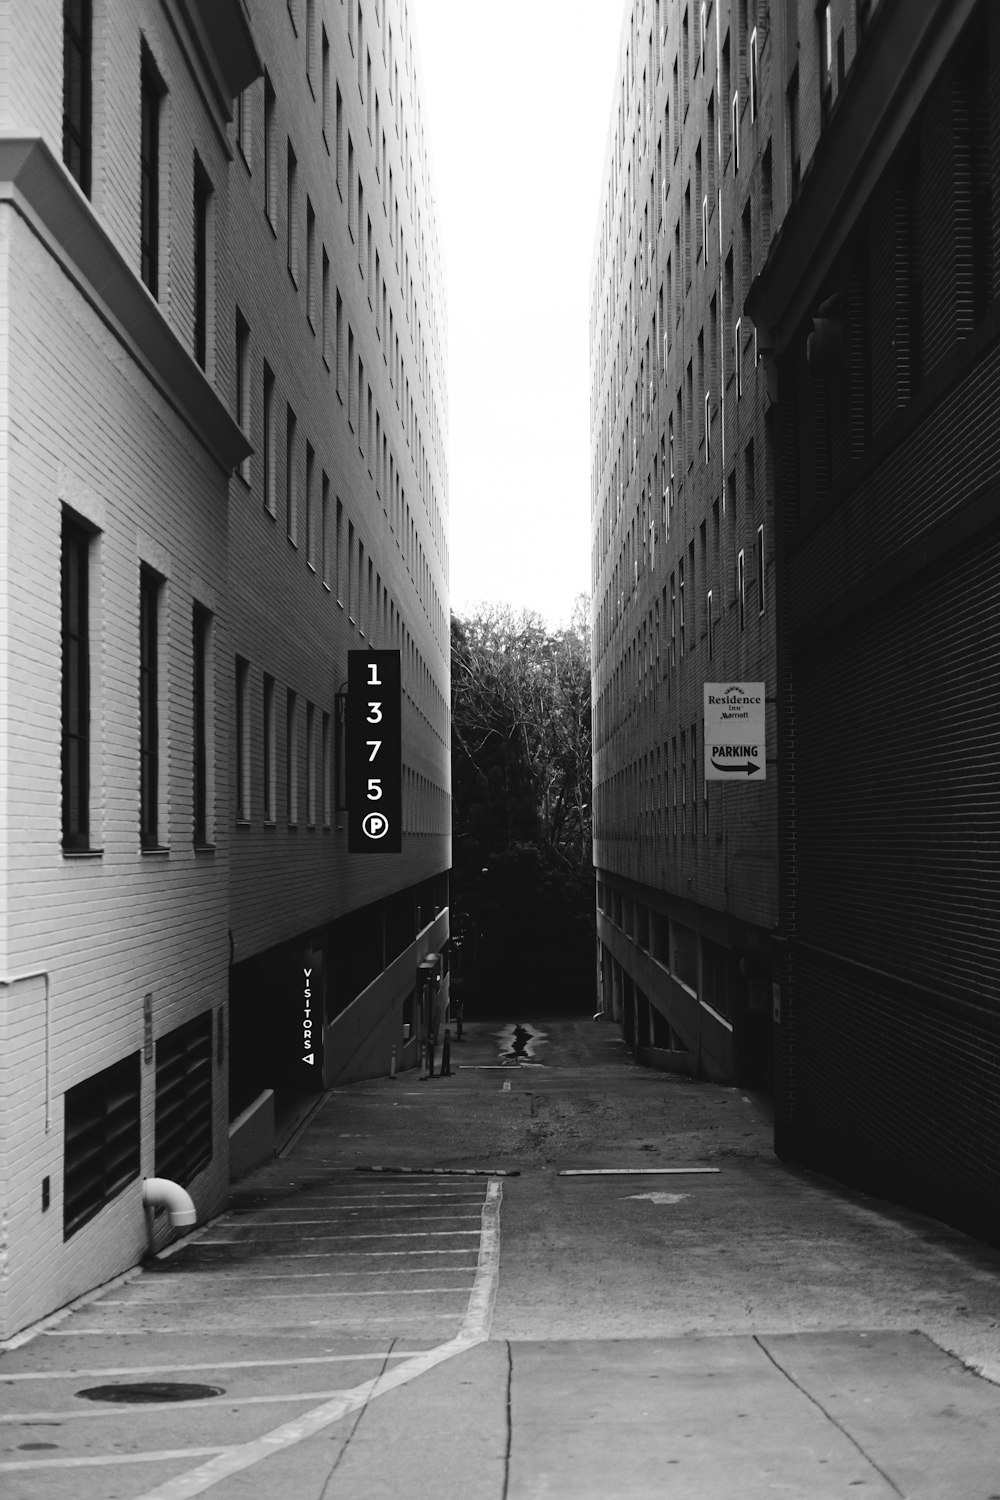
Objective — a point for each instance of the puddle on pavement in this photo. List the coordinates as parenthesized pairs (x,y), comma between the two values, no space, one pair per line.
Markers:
(518,1044)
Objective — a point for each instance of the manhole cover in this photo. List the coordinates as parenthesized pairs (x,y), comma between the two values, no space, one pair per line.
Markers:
(151,1390)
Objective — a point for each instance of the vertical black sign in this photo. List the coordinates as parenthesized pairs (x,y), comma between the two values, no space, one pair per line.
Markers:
(374,753)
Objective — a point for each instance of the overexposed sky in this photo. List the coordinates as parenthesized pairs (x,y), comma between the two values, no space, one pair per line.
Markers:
(517,104)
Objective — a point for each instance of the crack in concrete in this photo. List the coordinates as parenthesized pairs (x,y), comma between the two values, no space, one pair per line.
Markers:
(830,1418)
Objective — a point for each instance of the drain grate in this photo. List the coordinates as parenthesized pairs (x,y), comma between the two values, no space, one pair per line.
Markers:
(151,1390)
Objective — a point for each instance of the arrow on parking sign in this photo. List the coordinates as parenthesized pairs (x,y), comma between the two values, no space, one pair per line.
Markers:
(749,767)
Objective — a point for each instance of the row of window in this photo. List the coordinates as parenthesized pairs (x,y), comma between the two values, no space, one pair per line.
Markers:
(339,141)
(650,798)
(329,542)
(102,1130)
(78,540)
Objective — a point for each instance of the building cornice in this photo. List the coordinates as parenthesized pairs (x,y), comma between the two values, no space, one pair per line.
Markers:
(41,191)
(891,78)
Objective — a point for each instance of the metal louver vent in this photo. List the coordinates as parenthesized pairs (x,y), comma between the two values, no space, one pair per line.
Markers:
(184,1100)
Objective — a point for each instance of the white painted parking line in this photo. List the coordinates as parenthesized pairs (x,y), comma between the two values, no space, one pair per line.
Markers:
(410,1291)
(635,1171)
(397,1234)
(475,1329)
(163,1456)
(102,1372)
(287,1223)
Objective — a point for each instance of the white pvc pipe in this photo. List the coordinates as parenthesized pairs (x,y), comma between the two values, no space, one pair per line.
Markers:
(160,1192)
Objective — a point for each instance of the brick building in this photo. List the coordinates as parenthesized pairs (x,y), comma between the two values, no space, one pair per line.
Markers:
(222,427)
(682,524)
(879,308)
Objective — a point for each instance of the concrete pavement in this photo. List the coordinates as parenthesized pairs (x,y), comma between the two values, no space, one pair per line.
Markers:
(755,1331)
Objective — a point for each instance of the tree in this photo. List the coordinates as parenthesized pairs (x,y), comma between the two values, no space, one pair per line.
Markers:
(521,788)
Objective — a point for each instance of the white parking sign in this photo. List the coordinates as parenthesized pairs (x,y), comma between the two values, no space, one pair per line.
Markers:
(734,732)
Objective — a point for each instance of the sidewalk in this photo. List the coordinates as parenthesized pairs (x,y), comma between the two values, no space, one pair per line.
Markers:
(745,1332)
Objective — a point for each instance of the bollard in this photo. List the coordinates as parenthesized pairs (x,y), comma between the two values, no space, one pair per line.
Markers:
(392,1064)
(446,1054)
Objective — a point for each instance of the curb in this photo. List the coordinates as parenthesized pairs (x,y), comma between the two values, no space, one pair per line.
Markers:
(444,1171)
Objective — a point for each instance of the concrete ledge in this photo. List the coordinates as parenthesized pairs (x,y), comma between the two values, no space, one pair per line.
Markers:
(251,1136)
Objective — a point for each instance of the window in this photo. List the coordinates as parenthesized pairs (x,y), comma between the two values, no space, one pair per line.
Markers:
(325,65)
(242,740)
(326,771)
(340,347)
(311,765)
(243,125)
(291,478)
(741,587)
(350,184)
(75,685)
(270,158)
(738,356)
(825,26)
(150,586)
(151,94)
(709,623)
(201,680)
(202,201)
(184,1100)
(268,456)
(270,753)
(325,294)
(794,144)
(243,384)
(310,41)
(101,1141)
(760,570)
(753,75)
(77,34)
(292,759)
(310,482)
(708,427)
(310,265)
(292,194)
(324,552)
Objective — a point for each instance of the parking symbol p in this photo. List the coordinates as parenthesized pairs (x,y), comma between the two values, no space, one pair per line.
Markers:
(375,825)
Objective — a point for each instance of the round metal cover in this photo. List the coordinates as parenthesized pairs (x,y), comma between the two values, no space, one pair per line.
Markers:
(151,1390)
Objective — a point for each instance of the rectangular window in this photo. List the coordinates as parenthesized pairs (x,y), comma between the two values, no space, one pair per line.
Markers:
(270,753)
(311,765)
(77,42)
(680,602)
(741,591)
(340,143)
(324,551)
(184,1100)
(325,293)
(75,685)
(270,156)
(202,202)
(760,570)
(242,740)
(753,75)
(310,483)
(310,41)
(350,185)
(292,205)
(710,624)
(151,94)
(243,385)
(292,759)
(326,771)
(310,264)
(291,478)
(201,735)
(101,1141)
(325,64)
(270,503)
(242,123)
(150,585)
(340,347)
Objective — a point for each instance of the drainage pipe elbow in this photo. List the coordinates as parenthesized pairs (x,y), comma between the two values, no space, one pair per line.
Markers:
(160,1192)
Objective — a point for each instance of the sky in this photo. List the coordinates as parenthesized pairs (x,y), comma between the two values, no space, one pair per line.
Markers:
(517,105)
